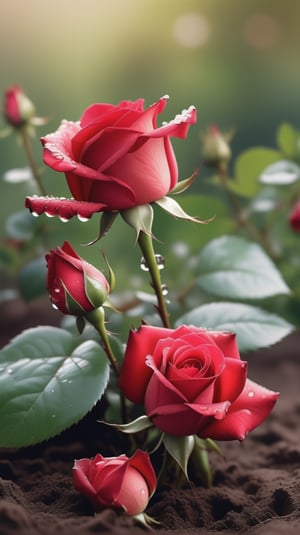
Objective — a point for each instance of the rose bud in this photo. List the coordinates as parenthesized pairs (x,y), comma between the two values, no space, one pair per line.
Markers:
(216,151)
(192,381)
(116,156)
(294,218)
(121,482)
(18,109)
(75,286)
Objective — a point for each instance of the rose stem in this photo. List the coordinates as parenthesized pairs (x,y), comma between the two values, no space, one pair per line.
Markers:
(96,318)
(29,153)
(146,245)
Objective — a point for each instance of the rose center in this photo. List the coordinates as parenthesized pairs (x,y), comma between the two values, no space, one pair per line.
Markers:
(191,367)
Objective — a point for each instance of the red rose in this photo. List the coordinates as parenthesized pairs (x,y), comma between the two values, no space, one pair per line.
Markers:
(192,381)
(116,156)
(75,286)
(294,218)
(18,109)
(119,482)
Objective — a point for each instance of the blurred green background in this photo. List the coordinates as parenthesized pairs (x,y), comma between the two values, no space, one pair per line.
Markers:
(237,61)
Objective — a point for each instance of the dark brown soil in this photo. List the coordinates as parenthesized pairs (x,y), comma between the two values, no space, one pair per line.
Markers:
(256,487)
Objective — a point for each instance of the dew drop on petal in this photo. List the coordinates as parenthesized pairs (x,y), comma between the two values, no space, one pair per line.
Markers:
(54,306)
(63,219)
(251,394)
(82,218)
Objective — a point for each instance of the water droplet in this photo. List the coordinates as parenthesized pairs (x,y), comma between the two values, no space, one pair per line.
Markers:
(143,264)
(82,218)
(57,290)
(49,214)
(143,491)
(54,306)
(160,261)
(164,289)
(251,394)
(35,214)
(63,219)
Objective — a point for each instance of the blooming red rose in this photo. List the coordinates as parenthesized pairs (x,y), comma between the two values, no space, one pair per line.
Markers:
(18,109)
(75,286)
(192,381)
(294,218)
(119,482)
(116,156)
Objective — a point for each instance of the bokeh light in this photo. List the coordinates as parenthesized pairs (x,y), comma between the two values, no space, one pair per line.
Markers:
(192,30)
(262,31)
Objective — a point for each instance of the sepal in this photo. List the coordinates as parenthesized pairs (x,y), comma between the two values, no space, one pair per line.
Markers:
(140,218)
(140,424)
(180,449)
(183,185)
(172,207)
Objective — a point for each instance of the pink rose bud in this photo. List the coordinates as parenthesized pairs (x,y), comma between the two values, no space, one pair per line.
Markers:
(75,286)
(120,482)
(294,218)
(216,150)
(18,109)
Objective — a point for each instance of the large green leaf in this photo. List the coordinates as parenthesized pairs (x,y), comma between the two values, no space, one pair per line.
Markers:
(235,268)
(254,327)
(248,167)
(48,381)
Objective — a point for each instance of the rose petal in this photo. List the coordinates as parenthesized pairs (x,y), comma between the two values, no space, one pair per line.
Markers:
(250,409)
(135,374)
(63,208)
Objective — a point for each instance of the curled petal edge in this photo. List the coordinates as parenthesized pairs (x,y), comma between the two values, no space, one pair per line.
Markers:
(63,208)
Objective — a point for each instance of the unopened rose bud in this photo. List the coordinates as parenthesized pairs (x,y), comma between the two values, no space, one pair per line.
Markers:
(120,482)
(294,218)
(216,151)
(18,109)
(75,287)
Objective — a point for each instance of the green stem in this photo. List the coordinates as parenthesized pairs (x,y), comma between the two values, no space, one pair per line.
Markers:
(96,318)
(31,160)
(146,245)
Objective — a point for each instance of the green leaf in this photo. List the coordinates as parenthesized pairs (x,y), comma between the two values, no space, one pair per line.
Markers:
(255,328)
(280,173)
(235,268)
(287,139)
(180,448)
(22,226)
(248,167)
(32,279)
(49,380)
